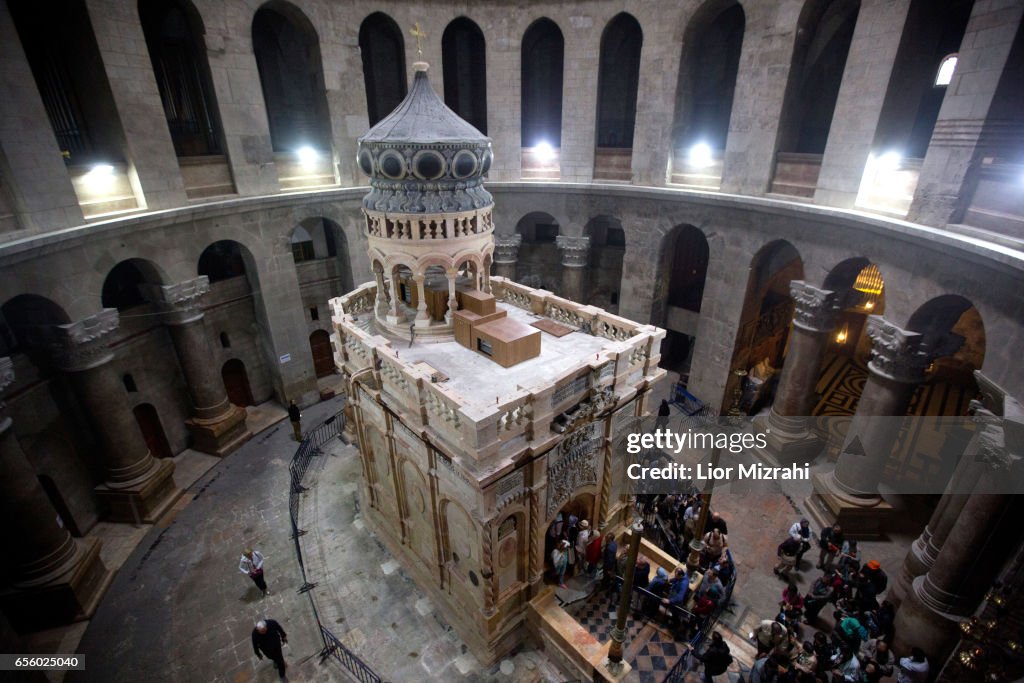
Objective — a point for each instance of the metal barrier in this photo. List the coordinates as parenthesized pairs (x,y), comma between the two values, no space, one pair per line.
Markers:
(304,454)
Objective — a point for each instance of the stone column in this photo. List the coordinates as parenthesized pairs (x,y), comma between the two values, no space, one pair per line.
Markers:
(814,318)
(453,304)
(422,317)
(849,494)
(575,260)
(57,579)
(506,255)
(395,313)
(964,133)
(925,549)
(381,303)
(971,558)
(869,64)
(138,487)
(217,426)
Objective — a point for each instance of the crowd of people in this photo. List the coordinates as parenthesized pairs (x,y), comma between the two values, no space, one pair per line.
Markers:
(858,648)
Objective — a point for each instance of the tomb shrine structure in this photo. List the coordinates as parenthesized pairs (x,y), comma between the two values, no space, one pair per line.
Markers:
(482,408)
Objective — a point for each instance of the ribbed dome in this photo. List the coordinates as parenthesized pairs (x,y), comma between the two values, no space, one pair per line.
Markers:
(424,158)
(423,118)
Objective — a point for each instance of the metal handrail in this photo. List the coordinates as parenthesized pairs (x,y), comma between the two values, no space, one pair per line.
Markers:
(308,448)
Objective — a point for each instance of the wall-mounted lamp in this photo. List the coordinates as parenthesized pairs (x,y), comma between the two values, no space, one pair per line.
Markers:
(700,155)
(307,155)
(544,152)
(842,334)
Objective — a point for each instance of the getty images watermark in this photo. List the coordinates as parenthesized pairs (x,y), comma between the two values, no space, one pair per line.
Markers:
(897,455)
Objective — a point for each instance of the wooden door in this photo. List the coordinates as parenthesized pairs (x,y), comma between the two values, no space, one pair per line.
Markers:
(236,382)
(323,353)
(152,430)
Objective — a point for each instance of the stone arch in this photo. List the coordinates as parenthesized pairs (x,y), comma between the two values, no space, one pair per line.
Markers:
(125,283)
(679,292)
(418,522)
(287,50)
(464,64)
(320,238)
(954,335)
(461,551)
(765,320)
(539,262)
(607,251)
(861,288)
(816,72)
(382,47)
(24,323)
(174,33)
(543,54)
(510,555)
(709,64)
(618,81)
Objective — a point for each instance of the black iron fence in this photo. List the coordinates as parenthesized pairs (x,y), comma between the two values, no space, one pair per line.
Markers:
(310,448)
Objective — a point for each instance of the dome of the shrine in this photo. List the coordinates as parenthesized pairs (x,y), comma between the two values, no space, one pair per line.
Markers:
(425,158)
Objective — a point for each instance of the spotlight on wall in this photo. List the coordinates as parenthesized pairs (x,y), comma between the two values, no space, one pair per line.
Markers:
(307,155)
(890,161)
(700,155)
(100,177)
(544,152)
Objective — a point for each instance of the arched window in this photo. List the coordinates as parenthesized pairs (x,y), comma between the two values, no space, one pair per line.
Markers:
(225,341)
(129,383)
(69,73)
(288,57)
(173,31)
(302,245)
(819,59)
(465,71)
(618,80)
(543,54)
(383,50)
(946,68)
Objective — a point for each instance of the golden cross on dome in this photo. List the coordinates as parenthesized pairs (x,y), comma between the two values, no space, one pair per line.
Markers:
(419,34)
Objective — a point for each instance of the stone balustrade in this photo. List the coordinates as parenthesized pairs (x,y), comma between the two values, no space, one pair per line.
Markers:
(487,428)
(416,227)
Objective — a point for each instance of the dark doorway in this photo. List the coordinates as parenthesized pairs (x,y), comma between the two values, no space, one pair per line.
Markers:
(383,52)
(236,382)
(152,430)
(323,353)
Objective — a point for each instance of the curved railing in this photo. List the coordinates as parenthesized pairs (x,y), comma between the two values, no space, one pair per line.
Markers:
(304,454)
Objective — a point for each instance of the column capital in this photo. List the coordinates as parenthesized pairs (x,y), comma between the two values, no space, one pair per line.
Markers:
(816,309)
(506,248)
(896,354)
(81,345)
(575,250)
(179,302)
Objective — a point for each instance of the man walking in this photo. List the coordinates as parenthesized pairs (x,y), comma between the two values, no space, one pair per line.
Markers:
(296,418)
(251,565)
(267,638)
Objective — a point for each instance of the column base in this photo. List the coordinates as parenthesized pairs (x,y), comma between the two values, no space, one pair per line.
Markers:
(860,517)
(74,596)
(788,448)
(918,625)
(145,502)
(219,436)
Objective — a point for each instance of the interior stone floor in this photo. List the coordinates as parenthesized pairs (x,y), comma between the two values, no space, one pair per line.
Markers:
(179,610)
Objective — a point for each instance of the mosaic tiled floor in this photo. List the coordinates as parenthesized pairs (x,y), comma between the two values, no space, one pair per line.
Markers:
(650,649)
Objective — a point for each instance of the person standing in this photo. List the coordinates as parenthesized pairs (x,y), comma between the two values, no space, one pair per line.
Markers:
(560,561)
(296,419)
(801,531)
(610,562)
(830,542)
(582,539)
(251,565)
(664,412)
(913,669)
(267,639)
(716,658)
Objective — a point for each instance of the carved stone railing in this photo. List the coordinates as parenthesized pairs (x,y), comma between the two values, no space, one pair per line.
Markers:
(429,227)
(515,416)
(360,300)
